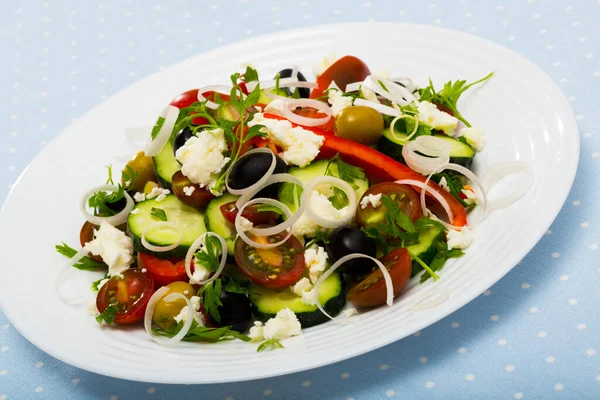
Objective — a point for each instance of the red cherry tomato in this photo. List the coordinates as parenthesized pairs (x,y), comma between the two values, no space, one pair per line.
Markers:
(251,213)
(161,270)
(199,197)
(86,234)
(186,99)
(346,70)
(273,268)
(129,293)
(403,195)
(371,290)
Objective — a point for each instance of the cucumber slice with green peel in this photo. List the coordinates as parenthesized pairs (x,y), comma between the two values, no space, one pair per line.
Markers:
(267,302)
(460,153)
(165,165)
(265,99)
(289,193)
(190,220)
(216,222)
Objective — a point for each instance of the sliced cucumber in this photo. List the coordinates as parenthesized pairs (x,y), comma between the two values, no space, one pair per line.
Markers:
(289,194)
(267,302)
(425,250)
(165,165)
(216,222)
(189,219)
(460,153)
(265,99)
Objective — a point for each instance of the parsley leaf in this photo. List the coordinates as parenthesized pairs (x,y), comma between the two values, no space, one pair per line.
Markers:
(199,333)
(156,128)
(109,180)
(374,234)
(158,213)
(86,263)
(270,344)
(128,176)
(100,201)
(346,172)
(454,182)
(320,237)
(251,74)
(382,85)
(290,194)
(96,284)
(440,259)
(210,295)
(107,315)
(238,286)
(449,95)
(210,256)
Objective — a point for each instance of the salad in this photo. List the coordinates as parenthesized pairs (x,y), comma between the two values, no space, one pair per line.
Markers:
(263,207)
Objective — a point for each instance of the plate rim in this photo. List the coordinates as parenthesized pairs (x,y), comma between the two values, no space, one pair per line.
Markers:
(425,320)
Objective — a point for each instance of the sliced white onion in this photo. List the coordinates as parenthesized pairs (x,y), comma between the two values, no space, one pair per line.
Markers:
(195,246)
(294,72)
(305,121)
(161,224)
(254,188)
(469,175)
(156,297)
(270,83)
(300,84)
(378,107)
(426,188)
(170,114)
(114,220)
(389,286)
(340,184)
(267,231)
(393,92)
(213,88)
(437,150)
(408,83)
(275,178)
(353,87)
(497,173)
(414,131)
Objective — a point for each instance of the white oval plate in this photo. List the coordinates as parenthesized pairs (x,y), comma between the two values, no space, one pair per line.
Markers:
(525,115)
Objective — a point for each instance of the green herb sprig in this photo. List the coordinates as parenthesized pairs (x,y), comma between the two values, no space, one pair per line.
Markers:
(271,344)
(86,263)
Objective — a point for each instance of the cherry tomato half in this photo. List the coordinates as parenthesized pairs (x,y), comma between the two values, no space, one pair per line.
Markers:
(371,290)
(403,195)
(346,70)
(251,213)
(165,312)
(273,268)
(130,293)
(86,234)
(198,198)
(162,271)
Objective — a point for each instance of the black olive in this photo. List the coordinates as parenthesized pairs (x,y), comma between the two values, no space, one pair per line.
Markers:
(181,137)
(249,169)
(347,240)
(118,205)
(286,73)
(236,311)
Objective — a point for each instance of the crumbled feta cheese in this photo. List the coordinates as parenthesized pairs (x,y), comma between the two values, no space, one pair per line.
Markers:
(475,137)
(186,291)
(301,286)
(300,146)
(257,331)
(183,314)
(277,107)
(159,193)
(320,203)
(144,270)
(188,190)
(139,197)
(338,101)
(310,297)
(114,246)
(315,259)
(459,239)
(319,67)
(305,227)
(127,184)
(368,94)
(471,197)
(284,325)
(201,273)
(350,312)
(373,199)
(202,158)
(431,116)
(246,224)
(135,211)
(444,184)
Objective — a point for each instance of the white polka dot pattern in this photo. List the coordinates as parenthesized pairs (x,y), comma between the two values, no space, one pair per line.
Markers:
(63,57)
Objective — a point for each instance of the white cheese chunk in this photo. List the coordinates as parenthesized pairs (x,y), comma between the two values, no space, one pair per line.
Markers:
(300,146)
(459,239)
(114,246)
(471,197)
(202,158)
(350,312)
(475,137)
(320,66)
(444,184)
(431,116)
(315,259)
(246,224)
(373,199)
(257,332)
(338,101)
(183,314)
(201,273)
(189,190)
(284,325)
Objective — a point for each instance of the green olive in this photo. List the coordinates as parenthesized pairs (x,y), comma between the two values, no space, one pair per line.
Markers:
(165,312)
(361,124)
(143,169)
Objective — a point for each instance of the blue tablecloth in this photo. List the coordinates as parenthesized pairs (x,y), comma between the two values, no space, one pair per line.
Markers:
(535,334)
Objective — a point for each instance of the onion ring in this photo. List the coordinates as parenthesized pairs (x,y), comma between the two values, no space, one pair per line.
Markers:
(115,220)
(160,249)
(154,146)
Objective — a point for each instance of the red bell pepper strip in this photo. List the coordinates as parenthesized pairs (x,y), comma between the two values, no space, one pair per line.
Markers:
(378,167)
